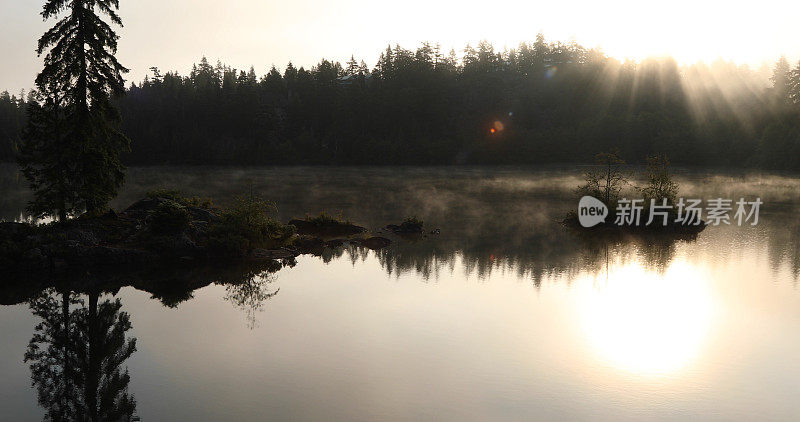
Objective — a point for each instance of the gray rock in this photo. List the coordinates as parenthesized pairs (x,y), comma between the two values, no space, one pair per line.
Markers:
(146,204)
(84,237)
(201,214)
(36,238)
(34,256)
(142,208)
(184,246)
(199,229)
(9,228)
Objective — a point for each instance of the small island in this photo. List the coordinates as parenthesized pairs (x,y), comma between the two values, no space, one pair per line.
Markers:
(168,228)
(606,183)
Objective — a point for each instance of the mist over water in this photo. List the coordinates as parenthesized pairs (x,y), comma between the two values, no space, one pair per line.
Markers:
(506,215)
(505,315)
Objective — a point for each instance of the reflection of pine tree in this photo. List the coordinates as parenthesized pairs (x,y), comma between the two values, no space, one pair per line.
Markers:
(51,356)
(76,358)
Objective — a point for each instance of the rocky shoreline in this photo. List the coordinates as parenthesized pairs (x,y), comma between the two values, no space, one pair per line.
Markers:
(609,231)
(162,231)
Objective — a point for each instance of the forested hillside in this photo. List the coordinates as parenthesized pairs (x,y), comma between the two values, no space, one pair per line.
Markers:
(540,103)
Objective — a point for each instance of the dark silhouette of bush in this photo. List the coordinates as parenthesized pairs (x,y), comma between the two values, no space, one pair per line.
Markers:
(169,218)
(246,225)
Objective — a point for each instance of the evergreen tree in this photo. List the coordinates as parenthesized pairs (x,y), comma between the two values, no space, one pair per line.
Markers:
(46,157)
(352,66)
(290,74)
(386,63)
(553,102)
(794,85)
(541,51)
(470,56)
(274,83)
(425,56)
(72,146)
(12,120)
(363,70)
(781,78)
(157,78)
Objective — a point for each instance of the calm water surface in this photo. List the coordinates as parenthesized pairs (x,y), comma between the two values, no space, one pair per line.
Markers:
(504,316)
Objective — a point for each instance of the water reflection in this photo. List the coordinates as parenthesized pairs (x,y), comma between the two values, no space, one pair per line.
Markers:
(80,343)
(643,307)
(557,254)
(493,218)
(76,357)
(644,320)
(251,295)
(607,309)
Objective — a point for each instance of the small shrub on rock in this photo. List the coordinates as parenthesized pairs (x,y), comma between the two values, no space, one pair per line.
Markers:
(325,219)
(245,225)
(177,196)
(169,218)
(411,225)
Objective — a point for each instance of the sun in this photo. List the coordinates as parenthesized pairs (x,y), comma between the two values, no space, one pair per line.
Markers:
(645,322)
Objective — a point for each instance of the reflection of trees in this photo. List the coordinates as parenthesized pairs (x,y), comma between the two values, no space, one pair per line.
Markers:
(784,248)
(79,347)
(537,254)
(76,357)
(247,283)
(173,286)
(551,251)
(251,294)
(51,357)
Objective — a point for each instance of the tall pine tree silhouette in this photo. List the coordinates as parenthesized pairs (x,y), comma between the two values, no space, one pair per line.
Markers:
(71,148)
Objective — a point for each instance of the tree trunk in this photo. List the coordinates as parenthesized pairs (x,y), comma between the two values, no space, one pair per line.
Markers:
(66,371)
(94,360)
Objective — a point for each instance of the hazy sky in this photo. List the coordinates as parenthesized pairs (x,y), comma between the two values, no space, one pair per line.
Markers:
(172,34)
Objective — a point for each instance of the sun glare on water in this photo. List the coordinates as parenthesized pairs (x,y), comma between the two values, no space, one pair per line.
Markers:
(646,322)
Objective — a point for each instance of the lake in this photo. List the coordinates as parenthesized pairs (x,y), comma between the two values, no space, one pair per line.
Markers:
(505,315)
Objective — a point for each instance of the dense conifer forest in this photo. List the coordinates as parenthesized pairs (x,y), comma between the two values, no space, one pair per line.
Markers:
(543,102)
